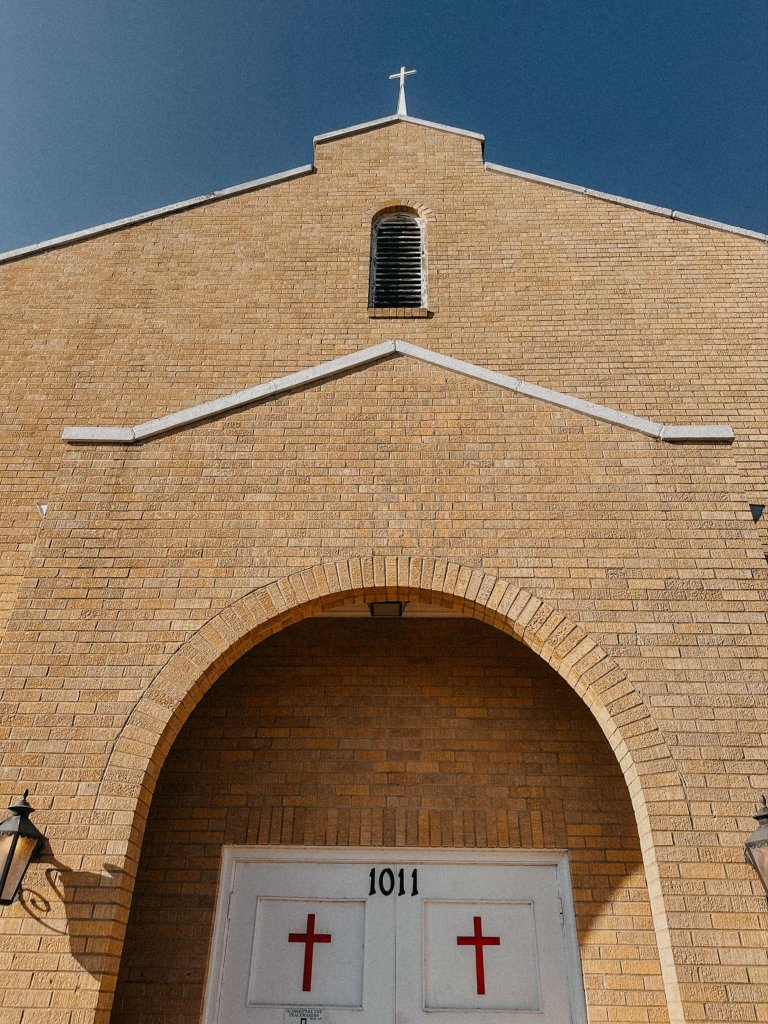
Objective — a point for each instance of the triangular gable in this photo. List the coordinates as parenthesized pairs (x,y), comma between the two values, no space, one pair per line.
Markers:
(359,129)
(374,354)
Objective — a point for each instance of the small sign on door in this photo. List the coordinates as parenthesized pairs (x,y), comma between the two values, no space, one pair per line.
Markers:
(302,1015)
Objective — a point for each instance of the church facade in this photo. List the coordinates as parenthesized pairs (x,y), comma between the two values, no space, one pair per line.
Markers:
(323,594)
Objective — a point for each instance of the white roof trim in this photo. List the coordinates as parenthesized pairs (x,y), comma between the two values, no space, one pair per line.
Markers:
(325,371)
(299,172)
(367,126)
(661,211)
(162,211)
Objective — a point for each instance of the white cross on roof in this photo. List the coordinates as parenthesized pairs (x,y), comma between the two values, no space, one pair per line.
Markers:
(401,74)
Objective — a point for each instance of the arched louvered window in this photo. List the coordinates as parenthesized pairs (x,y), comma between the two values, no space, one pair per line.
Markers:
(397,262)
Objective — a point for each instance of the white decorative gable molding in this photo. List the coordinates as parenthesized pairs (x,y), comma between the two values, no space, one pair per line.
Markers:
(374,354)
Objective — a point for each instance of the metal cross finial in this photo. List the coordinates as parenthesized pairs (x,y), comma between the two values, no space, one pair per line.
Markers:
(401,74)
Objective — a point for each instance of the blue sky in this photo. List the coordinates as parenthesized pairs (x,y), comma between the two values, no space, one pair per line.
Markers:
(109,108)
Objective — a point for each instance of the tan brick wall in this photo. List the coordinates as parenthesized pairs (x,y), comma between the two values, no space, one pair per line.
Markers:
(408,733)
(647,548)
(657,317)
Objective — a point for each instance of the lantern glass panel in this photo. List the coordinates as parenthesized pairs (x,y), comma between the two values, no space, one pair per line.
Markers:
(759,856)
(21,849)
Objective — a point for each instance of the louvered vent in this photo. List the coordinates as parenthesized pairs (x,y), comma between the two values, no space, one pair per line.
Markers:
(397,263)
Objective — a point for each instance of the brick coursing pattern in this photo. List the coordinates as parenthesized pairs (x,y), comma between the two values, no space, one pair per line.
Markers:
(148,559)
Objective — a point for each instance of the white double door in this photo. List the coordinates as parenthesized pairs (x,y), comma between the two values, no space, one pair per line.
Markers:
(394,937)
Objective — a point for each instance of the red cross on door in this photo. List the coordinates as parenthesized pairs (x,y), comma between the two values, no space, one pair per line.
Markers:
(309,938)
(479,941)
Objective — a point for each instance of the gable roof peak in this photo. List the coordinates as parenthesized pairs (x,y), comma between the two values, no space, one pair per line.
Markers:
(358,129)
(382,122)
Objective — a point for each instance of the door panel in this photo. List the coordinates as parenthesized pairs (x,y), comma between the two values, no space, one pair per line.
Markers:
(295,937)
(485,937)
(385,936)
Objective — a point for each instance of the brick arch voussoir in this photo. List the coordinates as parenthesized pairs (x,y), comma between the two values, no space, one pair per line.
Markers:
(177,689)
(645,760)
(393,203)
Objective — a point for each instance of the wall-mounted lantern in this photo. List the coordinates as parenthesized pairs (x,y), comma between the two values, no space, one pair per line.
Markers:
(756,847)
(20,841)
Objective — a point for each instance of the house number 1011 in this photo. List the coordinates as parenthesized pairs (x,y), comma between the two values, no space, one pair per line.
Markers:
(384,883)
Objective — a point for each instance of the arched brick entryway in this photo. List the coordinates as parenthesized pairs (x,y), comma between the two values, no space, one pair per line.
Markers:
(654,785)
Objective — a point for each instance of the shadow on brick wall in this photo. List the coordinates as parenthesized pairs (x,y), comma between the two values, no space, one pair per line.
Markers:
(88,899)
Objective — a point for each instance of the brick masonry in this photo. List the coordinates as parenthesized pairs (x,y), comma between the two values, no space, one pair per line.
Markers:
(410,733)
(643,575)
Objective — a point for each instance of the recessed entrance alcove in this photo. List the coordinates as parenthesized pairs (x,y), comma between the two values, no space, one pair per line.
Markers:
(426,731)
